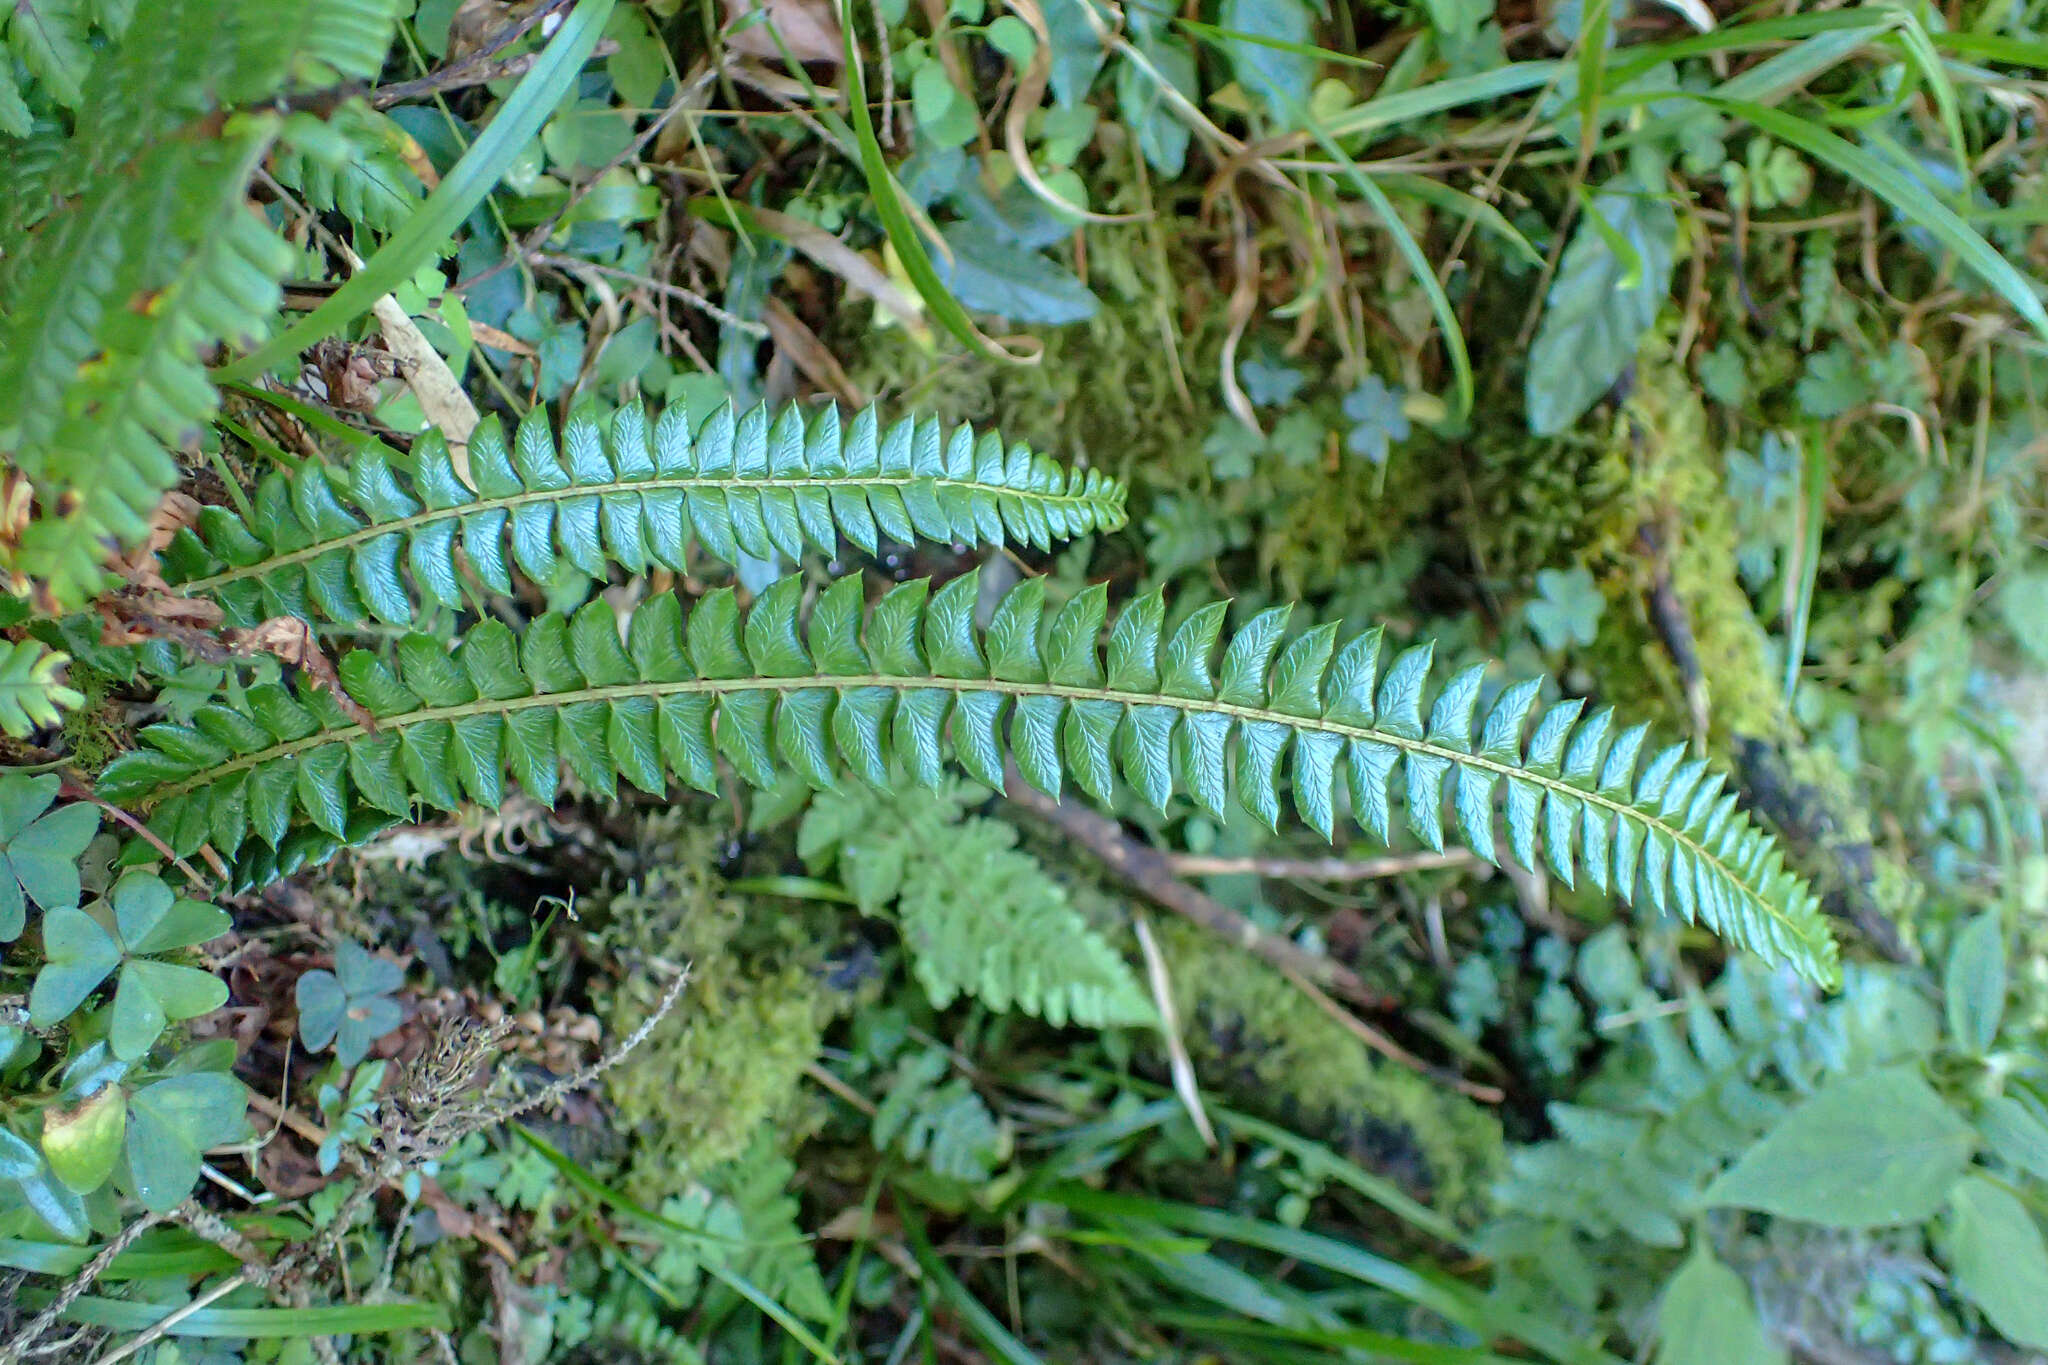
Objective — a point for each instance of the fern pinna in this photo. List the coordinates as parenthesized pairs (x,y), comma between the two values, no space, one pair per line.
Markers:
(631,492)
(850,690)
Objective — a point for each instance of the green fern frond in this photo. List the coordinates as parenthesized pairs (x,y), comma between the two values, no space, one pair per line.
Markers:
(351,163)
(129,249)
(50,37)
(31,691)
(632,493)
(15,118)
(977,916)
(771,695)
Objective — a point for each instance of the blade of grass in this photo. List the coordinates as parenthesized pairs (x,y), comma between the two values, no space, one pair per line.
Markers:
(1993,47)
(1411,252)
(1387,111)
(126,1315)
(1449,1299)
(1811,511)
(954,1294)
(896,222)
(430,225)
(1641,57)
(1376,1344)
(321,422)
(1223,38)
(795,888)
(1910,198)
(725,1275)
(1316,1158)
(1484,216)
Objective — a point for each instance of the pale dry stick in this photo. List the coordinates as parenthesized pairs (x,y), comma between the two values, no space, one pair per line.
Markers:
(42,1322)
(158,1329)
(1321,869)
(1179,1063)
(840,1088)
(1146,869)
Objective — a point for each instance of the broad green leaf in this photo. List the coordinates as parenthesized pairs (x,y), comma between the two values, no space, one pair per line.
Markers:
(2000,1264)
(1600,304)
(995,276)
(1866,1151)
(2015,1135)
(1275,70)
(171,1123)
(1706,1318)
(1974,983)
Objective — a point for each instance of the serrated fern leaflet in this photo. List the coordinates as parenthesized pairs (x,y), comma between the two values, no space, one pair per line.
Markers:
(850,691)
(629,491)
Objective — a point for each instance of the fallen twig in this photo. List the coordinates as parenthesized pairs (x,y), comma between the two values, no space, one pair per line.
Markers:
(1150,871)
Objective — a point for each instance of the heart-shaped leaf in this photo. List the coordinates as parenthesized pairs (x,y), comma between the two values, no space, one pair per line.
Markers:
(170,1124)
(152,919)
(368,1019)
(78,954)
(83,1142)
(39,852)
(322,1003)
(362,972)
(22,799)
(154,994)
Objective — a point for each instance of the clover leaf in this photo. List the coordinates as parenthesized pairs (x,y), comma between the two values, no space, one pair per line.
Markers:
(1569,609)
(1377,419)
(171,1123)
(39,851)
(350,1006)
(1269,380)
(148,918)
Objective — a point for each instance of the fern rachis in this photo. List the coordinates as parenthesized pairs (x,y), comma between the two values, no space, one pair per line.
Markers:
(773,694)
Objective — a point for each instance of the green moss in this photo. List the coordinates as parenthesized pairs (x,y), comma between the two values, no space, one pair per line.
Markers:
(1255,1036)
(731,1055)
(1680,489)
(92,730)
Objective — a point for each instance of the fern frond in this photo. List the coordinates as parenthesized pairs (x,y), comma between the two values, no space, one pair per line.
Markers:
(50,38)
(771,695)
(631,492)
(356,167)
(1681,1103)
(978,916)
(130,249)
(31,692)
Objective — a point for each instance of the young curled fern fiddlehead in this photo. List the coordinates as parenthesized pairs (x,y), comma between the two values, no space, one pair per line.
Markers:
(850,691)
(630,492)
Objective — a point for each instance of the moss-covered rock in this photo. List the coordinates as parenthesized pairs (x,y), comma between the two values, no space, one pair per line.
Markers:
(1253,1035)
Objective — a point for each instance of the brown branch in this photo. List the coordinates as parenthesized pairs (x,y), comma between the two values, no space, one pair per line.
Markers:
(467,73)
(1320,869)
(1151,872)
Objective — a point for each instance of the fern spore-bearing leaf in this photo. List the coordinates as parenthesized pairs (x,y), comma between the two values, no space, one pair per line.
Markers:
(914,678)
(631,490)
